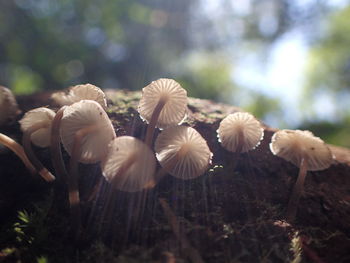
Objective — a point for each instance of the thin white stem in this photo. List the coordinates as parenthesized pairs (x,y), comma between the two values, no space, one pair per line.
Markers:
(27,145)
(297,192)
(152,124)
(18,150)
(55,146)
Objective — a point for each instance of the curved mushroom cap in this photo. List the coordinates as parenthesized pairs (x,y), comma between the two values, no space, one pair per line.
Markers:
(80,92)
(82,115)
(183,152)
(42,136)
(174,96)
(130,164)
(295,145)
(240,122)
(8,106)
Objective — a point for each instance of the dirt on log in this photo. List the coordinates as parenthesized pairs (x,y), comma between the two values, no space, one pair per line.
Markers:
(233,213)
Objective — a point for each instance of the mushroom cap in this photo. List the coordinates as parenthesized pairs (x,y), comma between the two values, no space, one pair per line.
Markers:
(8,106)
(84,114)
(196,159)
(294,145)
(42,136)
(140,172)
(174,110)
(237,122)
(80,92)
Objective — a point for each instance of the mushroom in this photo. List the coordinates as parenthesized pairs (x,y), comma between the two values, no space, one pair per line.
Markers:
(18,150)
(36,127)
(80,92)
(8,106)
(304,150)
(182,152)
(240,132)
(85,131)
(163,104)
(129,165)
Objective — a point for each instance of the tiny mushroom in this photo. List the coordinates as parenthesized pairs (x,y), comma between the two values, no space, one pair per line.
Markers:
(163,104)
(240,132)
(8,106)
(182,152)
(86,132)
(130,164)
(36,127)
(304,150)
(80,92)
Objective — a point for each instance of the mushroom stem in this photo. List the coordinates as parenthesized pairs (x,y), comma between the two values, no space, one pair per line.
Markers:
(27,145)
(73,186)
(192,253)
(55,145)
(18,150)
(154,118)
(297,191)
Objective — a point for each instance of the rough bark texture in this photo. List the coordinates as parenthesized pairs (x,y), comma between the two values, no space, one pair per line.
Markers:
(233,213)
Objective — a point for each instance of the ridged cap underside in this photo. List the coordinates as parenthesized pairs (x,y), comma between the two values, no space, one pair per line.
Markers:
(197,158)
(243,122)
(173,112)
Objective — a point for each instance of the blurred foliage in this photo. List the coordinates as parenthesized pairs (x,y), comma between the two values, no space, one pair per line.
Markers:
(52,44)
(206,76)
(335,133)
(329,61)
(328,72)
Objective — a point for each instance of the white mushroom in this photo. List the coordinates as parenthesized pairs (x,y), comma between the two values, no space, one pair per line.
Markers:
(42,118)
(240,132)
(304,150)
(36,127)
(163,104)
(85,131)
(130,164)
(80,92)
(183,152)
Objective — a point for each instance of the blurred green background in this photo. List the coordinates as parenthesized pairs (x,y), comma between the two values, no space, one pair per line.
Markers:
(286,61)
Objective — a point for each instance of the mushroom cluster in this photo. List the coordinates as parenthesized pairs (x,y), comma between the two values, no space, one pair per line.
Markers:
(128,164)
(86,133)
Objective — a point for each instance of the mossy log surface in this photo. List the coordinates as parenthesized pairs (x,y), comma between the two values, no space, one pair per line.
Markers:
(233,213)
